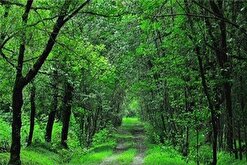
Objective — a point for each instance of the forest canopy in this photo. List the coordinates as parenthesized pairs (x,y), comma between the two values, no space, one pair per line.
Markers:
(164,78)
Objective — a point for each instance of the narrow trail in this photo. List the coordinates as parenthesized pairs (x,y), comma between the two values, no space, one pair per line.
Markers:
(129,136)
(139,145)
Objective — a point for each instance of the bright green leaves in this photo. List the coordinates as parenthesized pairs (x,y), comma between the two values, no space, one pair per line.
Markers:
(149,26)
(146,25)
(145,50)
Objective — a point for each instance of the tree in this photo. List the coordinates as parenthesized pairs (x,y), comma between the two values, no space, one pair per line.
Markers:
(21,81)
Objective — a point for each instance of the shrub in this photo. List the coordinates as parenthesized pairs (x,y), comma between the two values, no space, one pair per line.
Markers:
(103,136)
(5,136)
(158,155)
(225,158)
(151,134)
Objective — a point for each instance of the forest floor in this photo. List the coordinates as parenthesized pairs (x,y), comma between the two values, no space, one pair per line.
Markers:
(130,147)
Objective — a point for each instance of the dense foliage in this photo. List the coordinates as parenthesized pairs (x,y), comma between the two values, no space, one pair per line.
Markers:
(70,70)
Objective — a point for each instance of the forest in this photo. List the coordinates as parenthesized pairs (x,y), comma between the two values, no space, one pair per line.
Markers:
(123,82)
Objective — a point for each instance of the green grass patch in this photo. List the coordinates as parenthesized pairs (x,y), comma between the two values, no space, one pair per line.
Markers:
(91,158)
(225,158)
(126,157)
(123,136)
(159,155)
(131,121)
(103,147)
(33,156)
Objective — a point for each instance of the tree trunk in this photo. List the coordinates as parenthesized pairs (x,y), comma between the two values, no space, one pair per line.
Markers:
(210,105)
(235,149)
(17,102)
(32,116)
(67,101)
(49,126)
(52,114)
(224,62)
(240,143)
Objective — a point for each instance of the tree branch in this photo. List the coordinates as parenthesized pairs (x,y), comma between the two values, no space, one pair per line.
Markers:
(76,11)
(62,19)
(7,2)
(102,15)
(23,43)
(7,59)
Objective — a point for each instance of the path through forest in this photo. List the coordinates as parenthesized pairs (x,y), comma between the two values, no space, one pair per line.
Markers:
(130,138)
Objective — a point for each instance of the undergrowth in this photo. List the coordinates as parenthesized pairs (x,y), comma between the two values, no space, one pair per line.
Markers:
(126,157)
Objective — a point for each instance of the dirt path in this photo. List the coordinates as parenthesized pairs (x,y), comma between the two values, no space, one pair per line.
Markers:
(129,136)
(139,145)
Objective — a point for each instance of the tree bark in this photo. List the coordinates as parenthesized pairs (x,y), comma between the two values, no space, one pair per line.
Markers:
(17,97)
(240,144)
(211,107)
(32,115)
(52,114)
(67,101)
(17,102)
(224,63)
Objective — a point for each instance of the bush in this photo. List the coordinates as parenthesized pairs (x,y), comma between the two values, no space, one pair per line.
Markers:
(151,134)
(103,136)
(5,136)
(158,155)
(205,154)
(225,158)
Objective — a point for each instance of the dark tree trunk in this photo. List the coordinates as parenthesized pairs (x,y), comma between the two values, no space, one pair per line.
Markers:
(240,143)
(49,126)
(242,119)
(229,117)
(210,105)
(96,118)
(32,115)
(67,101)
(52,114)
(88,130)
(235,149)
(17,97)
(17,102)
(224,62)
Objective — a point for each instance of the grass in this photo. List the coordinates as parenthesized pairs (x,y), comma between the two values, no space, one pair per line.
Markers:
(158,155)
(123,136)
(34,156)
(130,121)
(126,157)
(226,158)
(93,156)
(43,156)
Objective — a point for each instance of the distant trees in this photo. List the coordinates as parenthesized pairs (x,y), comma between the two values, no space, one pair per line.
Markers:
(187,58)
